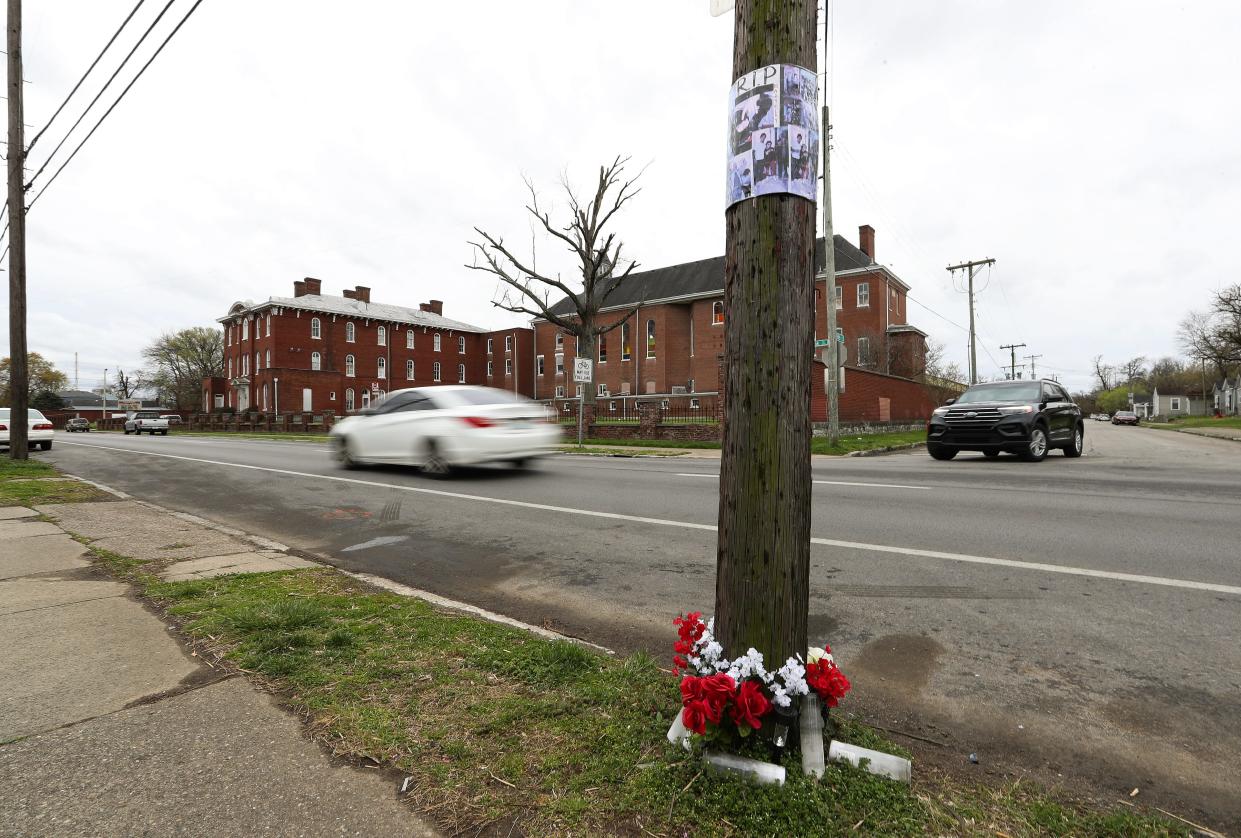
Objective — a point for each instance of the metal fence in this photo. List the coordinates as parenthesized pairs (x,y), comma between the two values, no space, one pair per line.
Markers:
(692,411)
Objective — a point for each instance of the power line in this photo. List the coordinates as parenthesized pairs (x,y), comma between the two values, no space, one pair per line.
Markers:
(124,23)
(103,89)
(197,3)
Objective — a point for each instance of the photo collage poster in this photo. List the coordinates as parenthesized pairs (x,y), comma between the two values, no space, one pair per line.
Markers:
(773,142)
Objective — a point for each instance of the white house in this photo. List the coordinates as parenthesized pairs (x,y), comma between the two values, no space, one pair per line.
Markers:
(1170,405)
(1225,396)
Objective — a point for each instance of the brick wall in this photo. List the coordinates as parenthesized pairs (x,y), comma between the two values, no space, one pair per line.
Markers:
(860,401)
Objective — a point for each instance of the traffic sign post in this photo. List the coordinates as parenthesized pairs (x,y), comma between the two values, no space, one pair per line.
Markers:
(583,373)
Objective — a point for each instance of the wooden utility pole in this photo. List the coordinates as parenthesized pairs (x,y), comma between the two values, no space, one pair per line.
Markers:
(1012,356)
(19,378)
(763,552)
(1032,359)
(829,267)
(970,269)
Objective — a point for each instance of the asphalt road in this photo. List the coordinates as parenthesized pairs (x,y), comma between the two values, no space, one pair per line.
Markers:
(1074,619)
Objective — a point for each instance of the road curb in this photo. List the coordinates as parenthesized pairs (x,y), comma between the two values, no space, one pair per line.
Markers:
(890,449)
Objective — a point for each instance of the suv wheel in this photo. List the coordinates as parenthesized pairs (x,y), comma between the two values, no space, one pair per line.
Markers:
(1036,448)
(1074,448)
(940,452)
(991,455)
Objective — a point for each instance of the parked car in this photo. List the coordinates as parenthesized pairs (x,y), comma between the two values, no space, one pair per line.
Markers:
(1125,417)
(437,428)
(77,424)
(173,418)
(1027,418)
(146,421)
(39,431)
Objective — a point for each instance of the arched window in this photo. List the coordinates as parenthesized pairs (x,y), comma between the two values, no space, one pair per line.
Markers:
(316,361)
(383,336)
(230,367)
(268,326)
(366,399)
(650,338)
(435,371)
(245,329)
(461,345)
(435,342)
(382,368)
(264,397)
(626,349)
(350,333)
(315,330)
(349,366)
(717,313)
(460,373)
(409,338)
(349,399)
(258,361)
(245,364)
(409,370)
(267,360)
(602,349)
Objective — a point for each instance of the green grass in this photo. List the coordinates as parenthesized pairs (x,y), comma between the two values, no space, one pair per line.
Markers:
(628,451)
(865,442)
(1198,422)
(24,468)
(508,733)
(31,482)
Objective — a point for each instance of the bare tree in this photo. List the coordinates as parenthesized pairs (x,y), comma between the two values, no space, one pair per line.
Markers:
(1215,336)
(1134,369)
(128,384)
(1102,373)
(181,360)
(597,251)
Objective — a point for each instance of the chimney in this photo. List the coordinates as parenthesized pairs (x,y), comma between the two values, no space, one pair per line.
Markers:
(299,288)
(424,306)
(436,307)
(866,241)
(362,293)
(313,286)
(349,295)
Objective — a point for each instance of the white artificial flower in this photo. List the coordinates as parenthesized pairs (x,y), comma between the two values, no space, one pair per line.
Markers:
(779,696)
(793,674)
(815,654)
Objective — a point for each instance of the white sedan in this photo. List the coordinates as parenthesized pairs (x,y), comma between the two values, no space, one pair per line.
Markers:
(39,430)
(438,428)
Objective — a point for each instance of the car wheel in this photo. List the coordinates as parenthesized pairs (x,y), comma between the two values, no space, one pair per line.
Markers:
(1074,448)
(126,431)
(524,463)
(1036,448)
(47,446)
(163,433)
(433,462)
(991,455)
(344,453)
(940,452)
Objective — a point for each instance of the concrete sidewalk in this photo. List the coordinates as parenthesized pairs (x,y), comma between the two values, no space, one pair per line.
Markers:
(110,728)
(1233,434)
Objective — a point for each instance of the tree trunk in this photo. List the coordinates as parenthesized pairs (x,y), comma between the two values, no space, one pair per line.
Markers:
(586,348)
(763,555)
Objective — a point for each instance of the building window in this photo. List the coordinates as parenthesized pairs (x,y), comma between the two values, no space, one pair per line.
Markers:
(891,297)
(611,407)
(863,351)
(460,373)
(230,367)
(603,349)
(560,391)
(1176,404)
(577,391)
(245,329)
(508,343)
(268,326)
(461,346)
(381,368)
(717,313)
(560,340)
(245,364)
(489,344)
(351,333)
(490,370)
(863,295)
(382,336)
(267,361)
(691,337)
(258,362)
(315,332)
(435,370)
(840,297)
(650,338)
(409,370)
(694,404)
(316,361)
(435,342)
(409,338)
(350,366)
(559,363)
(366,399)
(508,366)
(349,399)
(626,351)
(689,385)
(602,390)
(539,365)
(230,335)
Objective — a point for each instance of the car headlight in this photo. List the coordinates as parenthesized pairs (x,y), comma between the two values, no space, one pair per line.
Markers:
(1015,409)
(939,411)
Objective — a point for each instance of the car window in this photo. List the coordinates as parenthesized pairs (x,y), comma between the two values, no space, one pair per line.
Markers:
(1023,391)
(1064,396)
(394,403)
(419,402)
(481,396)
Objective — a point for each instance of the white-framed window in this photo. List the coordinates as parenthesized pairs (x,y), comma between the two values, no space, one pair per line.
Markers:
(490,369)
(409,338)
(560,340)
(351,333)
(230,335)
(230,367)
(435,342)
(351,367)
(602,390)
(508,366)
(409,370)
(258,361)
(489,345)
(691,337)
(268,326)
(863,351)
(245,329)
(863,295)
(460,373)
(366,399)
(460,345)
(267,361)
(330,396)
(559,363)
(349,402)
(1176,404)
(626,349)
(316,361)
(435,370)
(539,365)
(382,336)
(602,348)
(840,297)
(245,364)
(611,407)
(508,343)
(694,404)
(650,338)
(717,313)
(560,391)
(316,332)
(577,391)
(381,368)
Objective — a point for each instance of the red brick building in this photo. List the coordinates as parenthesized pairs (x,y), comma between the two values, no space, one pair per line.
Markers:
(317,352)
(672,345)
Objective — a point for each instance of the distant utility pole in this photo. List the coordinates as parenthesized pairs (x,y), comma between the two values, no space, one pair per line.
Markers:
(971,268)
(1012,354)
(19,374)
(829,265)
(1031,359)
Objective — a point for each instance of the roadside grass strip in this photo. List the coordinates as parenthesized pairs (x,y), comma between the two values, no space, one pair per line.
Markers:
(31,482)
(847,443)
(503,732)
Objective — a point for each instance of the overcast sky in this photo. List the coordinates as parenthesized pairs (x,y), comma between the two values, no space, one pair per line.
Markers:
(1090,148)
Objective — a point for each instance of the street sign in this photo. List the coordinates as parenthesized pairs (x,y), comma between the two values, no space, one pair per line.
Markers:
(822,342)
(582,370)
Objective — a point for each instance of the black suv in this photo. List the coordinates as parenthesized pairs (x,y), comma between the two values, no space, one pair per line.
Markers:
(1024,417)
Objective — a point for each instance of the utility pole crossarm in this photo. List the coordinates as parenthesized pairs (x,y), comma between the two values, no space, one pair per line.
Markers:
(1012,354)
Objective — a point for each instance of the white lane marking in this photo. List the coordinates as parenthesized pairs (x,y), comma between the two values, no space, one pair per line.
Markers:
(827,482)
(376,542)
(689,525)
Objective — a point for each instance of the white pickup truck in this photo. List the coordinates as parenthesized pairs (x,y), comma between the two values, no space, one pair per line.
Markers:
(146,421)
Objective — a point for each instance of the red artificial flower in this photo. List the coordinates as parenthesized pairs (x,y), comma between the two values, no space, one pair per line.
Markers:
(717,689)
(826,679)
(689,628)
(691,688)
(750,705)
(695,716)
